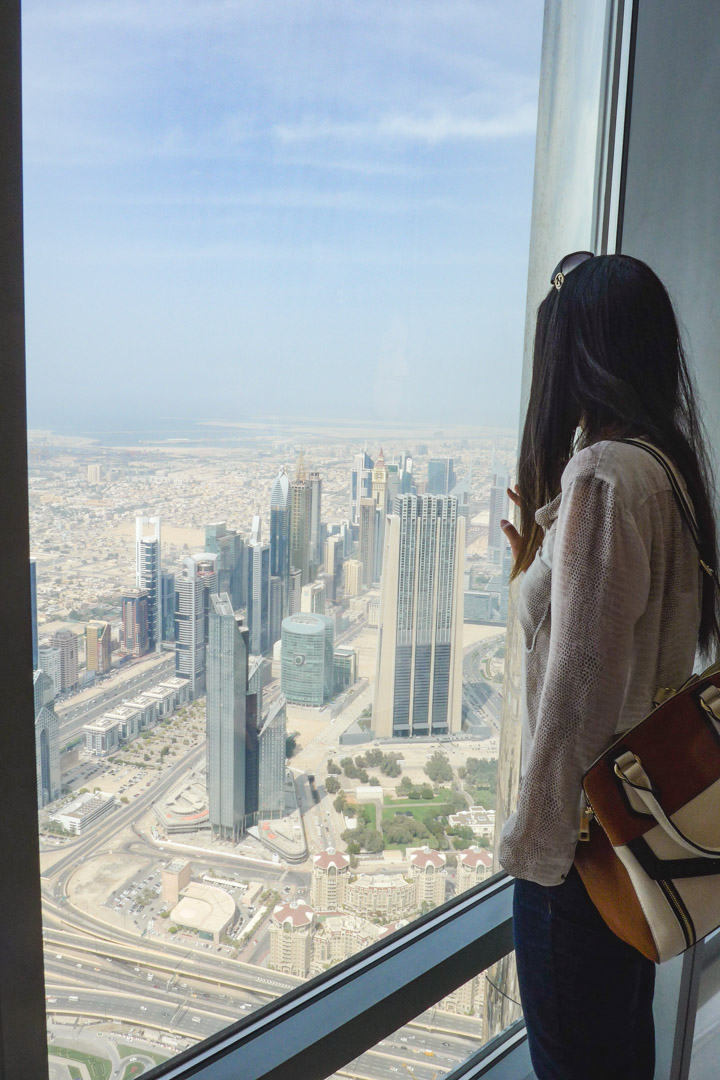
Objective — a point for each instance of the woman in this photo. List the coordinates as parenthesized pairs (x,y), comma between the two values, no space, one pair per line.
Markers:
(612,605)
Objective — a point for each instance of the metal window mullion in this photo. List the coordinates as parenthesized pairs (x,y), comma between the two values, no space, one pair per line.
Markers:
(335,1017)
(23,1049)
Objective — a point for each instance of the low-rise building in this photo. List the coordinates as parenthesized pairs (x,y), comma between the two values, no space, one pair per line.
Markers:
(164,695)
(128,720)
(102,736)
(384,896)
(85,811)
(340,936)
(206,909)
(147,710)
(345,665)
(480,820)
(180,688)
(175,878)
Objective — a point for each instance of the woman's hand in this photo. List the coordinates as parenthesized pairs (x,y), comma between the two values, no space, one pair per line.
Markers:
(511,533)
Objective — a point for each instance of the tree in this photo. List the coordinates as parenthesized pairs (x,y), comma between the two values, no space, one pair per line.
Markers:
(340,803)
(290,744)
(389,765)
(405,786)
(373,841)
(332,785)
(438,768)
(333,769)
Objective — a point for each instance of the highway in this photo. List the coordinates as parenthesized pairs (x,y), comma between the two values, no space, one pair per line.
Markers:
(74,717)
(479,696)
(98,971)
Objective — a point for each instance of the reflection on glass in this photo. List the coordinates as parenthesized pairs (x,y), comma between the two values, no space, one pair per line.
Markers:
(706,1038)
(434,1043)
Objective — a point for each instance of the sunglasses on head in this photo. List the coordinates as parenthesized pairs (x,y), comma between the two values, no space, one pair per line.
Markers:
(567,264)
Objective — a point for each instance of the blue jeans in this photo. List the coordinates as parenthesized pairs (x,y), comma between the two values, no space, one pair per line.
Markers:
(586,995)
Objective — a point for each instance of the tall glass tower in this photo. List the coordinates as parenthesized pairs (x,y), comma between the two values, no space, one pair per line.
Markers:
(316,530)
(229,546)
(271,797)
(280,536)
(441,476)
(228,722)
(147,574)
(360,483)
(418,685)
(190,604)
(300,512)
(258,592)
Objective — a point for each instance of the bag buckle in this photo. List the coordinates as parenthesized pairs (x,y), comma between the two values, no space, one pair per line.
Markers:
(585,818)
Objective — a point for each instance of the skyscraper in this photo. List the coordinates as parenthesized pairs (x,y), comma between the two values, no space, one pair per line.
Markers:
(167,605)
(229,546)
(407,486)
(307,659)
(380,495)
(276,615)
(316,529)
(360,483)
(258,592)
(499,504)
(33,612)
(134,634)
(49,663)
(230,798)
(206,562)
(313,598)
(66,642)
(271,747)
(280,536)
(147,574)
(441,476)
(190,602)
(47,741)
(97,646)
(295,591)
(418,685)
(367,514)
(333,560)
(353,577)
(300,512)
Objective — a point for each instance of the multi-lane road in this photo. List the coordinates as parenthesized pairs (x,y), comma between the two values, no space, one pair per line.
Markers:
(74,716)
(97,970)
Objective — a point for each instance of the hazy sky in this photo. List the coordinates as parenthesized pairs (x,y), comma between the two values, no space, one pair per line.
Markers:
(236,208)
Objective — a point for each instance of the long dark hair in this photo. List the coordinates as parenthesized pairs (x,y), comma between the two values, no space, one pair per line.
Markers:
(608,354)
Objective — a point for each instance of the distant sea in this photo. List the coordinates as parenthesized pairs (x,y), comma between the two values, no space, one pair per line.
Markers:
(164,430)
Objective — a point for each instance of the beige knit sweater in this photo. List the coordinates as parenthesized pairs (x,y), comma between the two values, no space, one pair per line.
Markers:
(610,611)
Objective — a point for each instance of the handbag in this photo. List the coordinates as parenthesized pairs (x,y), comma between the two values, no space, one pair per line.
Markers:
(649,845)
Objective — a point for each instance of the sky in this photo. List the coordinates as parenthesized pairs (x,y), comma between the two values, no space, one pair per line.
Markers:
(251,208)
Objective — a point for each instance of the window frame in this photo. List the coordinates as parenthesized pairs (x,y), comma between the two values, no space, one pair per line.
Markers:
(22,986)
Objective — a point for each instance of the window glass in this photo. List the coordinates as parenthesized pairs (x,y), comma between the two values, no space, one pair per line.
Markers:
(276,267)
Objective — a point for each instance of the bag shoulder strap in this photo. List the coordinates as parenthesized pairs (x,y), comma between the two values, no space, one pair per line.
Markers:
(686,508)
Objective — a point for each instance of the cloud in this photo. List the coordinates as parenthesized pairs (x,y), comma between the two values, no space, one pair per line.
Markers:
(436,127)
